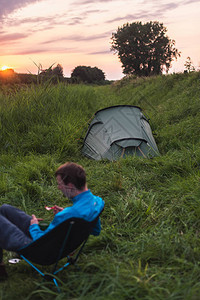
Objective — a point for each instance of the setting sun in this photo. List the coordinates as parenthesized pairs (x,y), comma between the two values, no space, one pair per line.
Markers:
(4,68)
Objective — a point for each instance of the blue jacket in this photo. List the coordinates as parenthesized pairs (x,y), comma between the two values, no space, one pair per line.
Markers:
(86,206)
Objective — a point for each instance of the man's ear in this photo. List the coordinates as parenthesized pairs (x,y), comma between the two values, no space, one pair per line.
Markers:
(71,185)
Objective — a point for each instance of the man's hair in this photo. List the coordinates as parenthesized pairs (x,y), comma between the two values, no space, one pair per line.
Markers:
(72,173)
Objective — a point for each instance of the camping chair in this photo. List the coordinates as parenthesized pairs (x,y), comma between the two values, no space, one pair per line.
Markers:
(58,243)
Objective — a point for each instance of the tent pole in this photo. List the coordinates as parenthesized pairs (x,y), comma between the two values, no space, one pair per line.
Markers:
(122,152)
(142,152)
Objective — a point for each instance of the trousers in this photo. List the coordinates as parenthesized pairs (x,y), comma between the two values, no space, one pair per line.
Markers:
(14,225)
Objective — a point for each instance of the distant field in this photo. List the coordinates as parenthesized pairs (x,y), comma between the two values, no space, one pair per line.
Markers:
(149,247)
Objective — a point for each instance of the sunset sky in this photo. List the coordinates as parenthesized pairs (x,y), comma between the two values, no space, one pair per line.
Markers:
(78,32)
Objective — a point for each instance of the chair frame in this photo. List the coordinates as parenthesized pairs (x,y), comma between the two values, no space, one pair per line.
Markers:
(64,250)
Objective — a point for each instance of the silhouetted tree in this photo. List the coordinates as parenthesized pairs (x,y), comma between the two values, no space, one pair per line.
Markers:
(46,72)
(52,74)
(58,71)
(189,65)
(87,74)
(8,76)
(144,49)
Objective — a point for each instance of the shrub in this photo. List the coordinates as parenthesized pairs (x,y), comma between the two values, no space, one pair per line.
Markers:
(88,74)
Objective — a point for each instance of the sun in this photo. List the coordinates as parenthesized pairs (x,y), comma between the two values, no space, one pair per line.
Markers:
(4,68)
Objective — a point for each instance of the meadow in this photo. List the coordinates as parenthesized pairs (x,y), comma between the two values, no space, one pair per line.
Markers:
(149,247)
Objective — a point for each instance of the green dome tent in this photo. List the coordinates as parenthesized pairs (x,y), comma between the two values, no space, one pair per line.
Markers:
(118,131)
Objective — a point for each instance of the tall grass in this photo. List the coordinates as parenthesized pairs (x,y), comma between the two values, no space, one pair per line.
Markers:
(149,247)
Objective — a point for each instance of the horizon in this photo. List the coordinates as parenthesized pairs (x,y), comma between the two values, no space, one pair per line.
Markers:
(79,32)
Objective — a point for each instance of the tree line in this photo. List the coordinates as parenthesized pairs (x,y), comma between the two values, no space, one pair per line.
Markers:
(143,50)
(80,74)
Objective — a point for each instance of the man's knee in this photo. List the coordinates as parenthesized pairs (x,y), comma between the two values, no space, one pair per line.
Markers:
(5,208)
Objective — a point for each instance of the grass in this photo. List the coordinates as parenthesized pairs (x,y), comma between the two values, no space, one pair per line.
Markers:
(149,247)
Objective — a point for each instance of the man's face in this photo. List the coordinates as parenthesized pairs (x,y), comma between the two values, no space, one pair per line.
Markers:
(67,190)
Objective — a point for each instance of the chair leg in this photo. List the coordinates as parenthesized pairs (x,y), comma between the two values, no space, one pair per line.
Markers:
(79,252)
(70,261)
(50,277)
(56,284)
(45,276)
(34,267)
(60,269)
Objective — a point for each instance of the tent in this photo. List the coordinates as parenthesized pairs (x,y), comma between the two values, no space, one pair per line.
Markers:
(118,131)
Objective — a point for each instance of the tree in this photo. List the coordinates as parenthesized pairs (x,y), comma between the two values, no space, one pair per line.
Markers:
(189,65)
(88,74)
(144,49)
(8,76)
(58,71)
(52,74)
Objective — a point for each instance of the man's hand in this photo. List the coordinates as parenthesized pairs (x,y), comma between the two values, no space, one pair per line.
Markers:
(35,220)
(57,209)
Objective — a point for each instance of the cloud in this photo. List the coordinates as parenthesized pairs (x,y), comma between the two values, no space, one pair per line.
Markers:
(23,52)
(8,38)
(89,12)
(92,1)
(40,50)
(8,6)
(81,16)
(78,38)
(31,51)
(191,1)
(134,17)
(75,21)
(157,11)
(35,24)
(37,20)
(100,53)
(48,22)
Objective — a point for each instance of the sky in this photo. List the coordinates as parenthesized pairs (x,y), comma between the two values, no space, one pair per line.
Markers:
(78,32)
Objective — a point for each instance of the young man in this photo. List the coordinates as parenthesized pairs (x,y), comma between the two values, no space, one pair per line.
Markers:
(18,229)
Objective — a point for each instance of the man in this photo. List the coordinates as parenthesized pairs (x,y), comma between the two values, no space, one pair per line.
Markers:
(18,229)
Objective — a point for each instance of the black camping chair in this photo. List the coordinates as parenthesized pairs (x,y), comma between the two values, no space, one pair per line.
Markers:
(58,243)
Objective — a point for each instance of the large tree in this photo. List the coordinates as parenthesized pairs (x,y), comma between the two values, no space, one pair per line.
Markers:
(144,49)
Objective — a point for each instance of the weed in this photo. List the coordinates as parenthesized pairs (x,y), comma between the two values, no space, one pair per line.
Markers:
(149,245)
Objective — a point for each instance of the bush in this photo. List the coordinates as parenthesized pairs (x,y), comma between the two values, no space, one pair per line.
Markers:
(87,74)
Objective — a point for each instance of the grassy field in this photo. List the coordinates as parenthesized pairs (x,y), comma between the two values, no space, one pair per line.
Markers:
(149,247)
